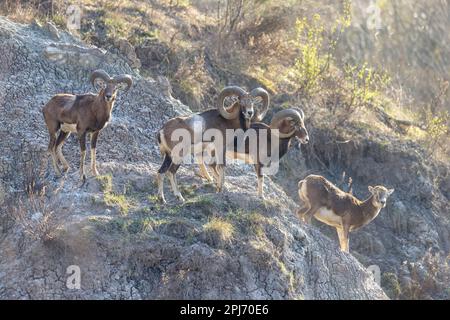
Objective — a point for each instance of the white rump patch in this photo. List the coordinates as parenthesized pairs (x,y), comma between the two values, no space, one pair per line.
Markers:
(68,127)
(327,216)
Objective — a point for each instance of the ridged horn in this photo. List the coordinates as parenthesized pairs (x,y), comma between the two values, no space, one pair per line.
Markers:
(300,111)
(125,78)
(264,95)
(282,115)
(99,74)
(226,92)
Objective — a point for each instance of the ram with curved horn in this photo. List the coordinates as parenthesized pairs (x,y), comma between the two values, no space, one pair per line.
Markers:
(286,125)
(82,114)
(238,116)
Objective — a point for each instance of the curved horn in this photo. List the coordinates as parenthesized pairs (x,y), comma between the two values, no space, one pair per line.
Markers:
(99,74)
(264,95)
(282,115)
(226,92)
(300,111)
(125,78)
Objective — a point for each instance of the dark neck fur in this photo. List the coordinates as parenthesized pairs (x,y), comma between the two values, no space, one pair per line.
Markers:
(284,146)
(242,122)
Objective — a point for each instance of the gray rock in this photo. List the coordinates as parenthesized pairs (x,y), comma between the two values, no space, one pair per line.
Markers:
(149,251)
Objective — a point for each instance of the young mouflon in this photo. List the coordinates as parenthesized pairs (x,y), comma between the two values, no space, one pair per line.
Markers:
(332,206)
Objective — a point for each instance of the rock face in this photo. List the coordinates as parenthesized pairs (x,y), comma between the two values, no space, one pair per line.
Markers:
(126,244)
(412,230)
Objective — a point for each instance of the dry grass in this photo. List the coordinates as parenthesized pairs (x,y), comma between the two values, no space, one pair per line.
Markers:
(222,228)
(428,277)
(40,10)
(38,217)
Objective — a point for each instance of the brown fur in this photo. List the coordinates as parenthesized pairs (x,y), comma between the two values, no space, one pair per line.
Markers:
(211,119)
(342,210)
(284,126)
(89,112)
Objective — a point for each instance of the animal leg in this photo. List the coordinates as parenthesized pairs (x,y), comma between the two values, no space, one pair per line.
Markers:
(260,186)
(345,239)
(214,172)
(52,151)
(82,138)
(340,234)
(220,170)
(307,216)
(173,181)
(203,171)
(260,180)
(94,138)
(302,210)
(160,176)
(59,144)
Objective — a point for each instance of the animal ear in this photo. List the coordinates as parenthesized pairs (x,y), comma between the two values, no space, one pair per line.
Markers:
(371,189)
(390,191)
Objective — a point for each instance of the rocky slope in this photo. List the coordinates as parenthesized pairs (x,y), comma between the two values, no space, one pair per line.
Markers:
(127,245)
(410,239)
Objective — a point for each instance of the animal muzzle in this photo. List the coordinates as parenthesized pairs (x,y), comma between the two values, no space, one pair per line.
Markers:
(303,140)
(248,114)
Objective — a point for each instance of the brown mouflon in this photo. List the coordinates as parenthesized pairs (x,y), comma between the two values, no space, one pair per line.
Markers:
(82,114)
(290,125)
(332,206)
(238,116)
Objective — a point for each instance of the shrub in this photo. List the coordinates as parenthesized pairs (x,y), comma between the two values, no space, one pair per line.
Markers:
(38,216)
(315,54)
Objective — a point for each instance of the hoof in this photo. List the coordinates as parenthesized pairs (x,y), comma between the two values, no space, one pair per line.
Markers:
(58,174)
(180,198)
(219,189)
(200,175)
(162,199)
